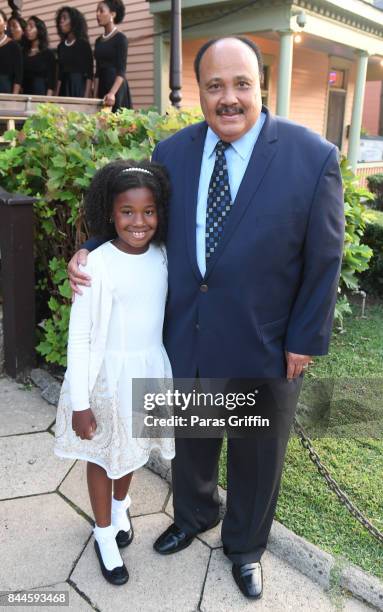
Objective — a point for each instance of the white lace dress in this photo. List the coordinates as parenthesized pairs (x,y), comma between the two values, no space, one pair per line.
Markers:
(134,349)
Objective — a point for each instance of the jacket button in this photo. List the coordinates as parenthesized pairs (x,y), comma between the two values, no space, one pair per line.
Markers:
(197,325)
(204,288)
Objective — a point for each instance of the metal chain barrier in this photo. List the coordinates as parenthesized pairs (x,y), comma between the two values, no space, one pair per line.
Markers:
(333,485)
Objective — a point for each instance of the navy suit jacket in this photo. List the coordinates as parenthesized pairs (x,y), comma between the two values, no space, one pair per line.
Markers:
(271,284)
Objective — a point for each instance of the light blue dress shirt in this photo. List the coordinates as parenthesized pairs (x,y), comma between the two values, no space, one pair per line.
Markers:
(237,157)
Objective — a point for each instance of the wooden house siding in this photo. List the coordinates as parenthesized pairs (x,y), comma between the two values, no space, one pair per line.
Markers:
(309,89)
(371,110)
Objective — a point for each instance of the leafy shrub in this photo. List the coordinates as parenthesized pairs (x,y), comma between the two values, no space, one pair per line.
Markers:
(375,185)
(55,158)
(372,279)
(356,255)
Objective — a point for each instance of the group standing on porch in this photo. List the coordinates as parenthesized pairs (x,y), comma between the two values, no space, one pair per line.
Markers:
(28,65)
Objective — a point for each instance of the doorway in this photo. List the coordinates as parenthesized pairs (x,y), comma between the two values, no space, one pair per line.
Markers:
(336,107)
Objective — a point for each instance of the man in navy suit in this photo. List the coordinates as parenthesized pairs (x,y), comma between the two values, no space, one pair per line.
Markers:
(254,299)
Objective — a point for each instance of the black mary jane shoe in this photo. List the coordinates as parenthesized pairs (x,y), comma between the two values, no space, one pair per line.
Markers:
(175,539)
(117,576)
(249,579)
(124,538)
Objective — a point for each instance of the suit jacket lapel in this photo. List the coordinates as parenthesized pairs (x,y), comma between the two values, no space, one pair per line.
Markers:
(192,173)
(263,152)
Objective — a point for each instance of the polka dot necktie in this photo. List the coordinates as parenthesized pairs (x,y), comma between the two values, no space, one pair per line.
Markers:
(218,201)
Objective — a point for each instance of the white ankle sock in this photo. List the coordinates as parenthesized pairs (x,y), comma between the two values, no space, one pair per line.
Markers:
(120,520)
(106,539)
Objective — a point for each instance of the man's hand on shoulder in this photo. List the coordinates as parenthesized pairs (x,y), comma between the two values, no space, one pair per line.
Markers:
(296,364)
(76,277)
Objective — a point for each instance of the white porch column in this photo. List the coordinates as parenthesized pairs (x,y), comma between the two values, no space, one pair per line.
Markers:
(161,68)
(285,72)
(357,109)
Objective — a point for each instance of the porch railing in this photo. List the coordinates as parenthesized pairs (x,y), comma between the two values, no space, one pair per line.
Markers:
(19,107)
(364,170)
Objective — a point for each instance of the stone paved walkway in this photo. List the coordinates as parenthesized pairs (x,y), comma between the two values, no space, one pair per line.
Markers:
(46,535)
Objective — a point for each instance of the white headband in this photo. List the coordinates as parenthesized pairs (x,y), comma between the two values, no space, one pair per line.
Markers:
(137,170)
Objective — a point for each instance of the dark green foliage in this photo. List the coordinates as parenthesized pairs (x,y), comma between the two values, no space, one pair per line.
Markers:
(372,279)
(375,185)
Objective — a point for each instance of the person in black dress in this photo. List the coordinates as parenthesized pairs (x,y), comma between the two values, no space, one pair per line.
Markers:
(11,61)
(39,61)
(16,29)
(75,58)
(111,52)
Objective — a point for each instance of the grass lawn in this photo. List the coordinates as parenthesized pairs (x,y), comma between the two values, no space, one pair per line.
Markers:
(306,505)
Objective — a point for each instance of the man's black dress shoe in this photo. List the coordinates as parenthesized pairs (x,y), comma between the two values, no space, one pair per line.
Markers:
(249,579)
(118,575)
(124,538)
(174,539)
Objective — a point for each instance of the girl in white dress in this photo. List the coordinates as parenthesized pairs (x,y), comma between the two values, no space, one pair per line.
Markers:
(115,335)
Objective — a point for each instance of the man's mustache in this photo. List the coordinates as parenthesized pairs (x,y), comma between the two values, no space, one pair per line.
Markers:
(229,109)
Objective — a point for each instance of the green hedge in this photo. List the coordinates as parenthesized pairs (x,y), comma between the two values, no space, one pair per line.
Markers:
(372,279)
(375,185)
(56,156)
